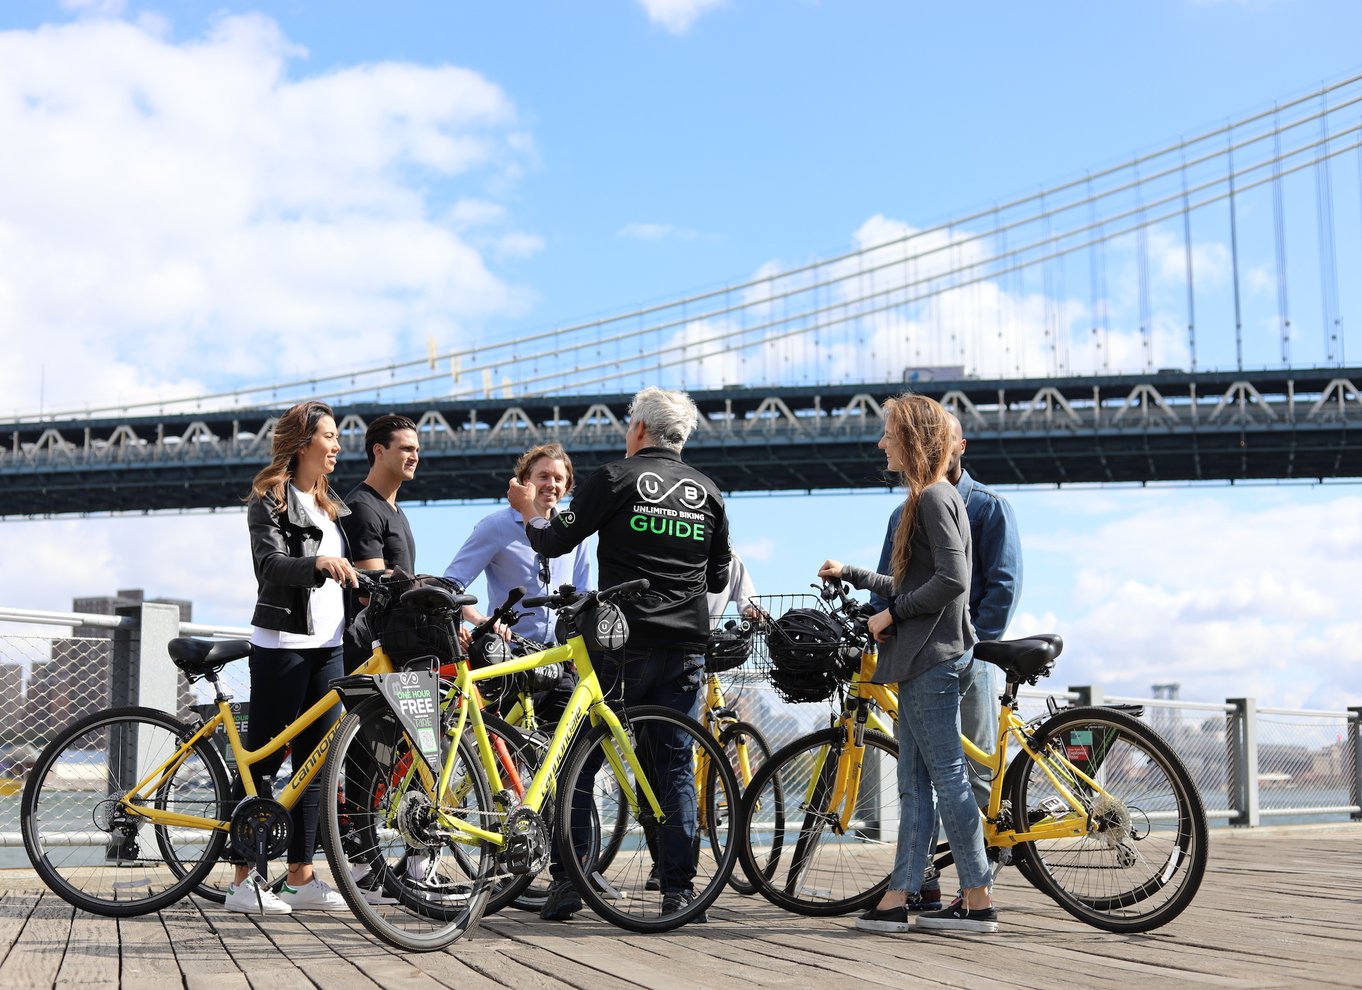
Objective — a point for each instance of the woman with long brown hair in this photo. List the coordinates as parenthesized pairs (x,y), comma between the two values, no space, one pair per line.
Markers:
(300,567)
(926,649)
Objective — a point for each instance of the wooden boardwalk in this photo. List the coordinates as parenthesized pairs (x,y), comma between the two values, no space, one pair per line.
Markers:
(1280,907)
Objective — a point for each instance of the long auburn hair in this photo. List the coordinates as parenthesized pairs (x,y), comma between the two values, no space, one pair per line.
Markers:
(292,432)
(922,427)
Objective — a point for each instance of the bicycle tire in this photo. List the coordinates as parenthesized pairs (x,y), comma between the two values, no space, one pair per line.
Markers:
(68,804)
(785,846)
(746,749)
(385,817)
(1143,860)
(617,891)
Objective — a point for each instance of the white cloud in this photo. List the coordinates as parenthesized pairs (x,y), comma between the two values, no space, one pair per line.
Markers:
(677,16)
(760,549)
(1222,592)
(202,557)
(192,214)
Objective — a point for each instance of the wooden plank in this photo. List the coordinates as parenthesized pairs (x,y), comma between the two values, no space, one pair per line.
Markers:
(36,956)
(1278,908)
(15,908)
(147,957)
(92,954)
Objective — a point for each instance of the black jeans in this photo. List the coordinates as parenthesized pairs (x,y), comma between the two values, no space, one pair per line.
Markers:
(672,679)
(284,684)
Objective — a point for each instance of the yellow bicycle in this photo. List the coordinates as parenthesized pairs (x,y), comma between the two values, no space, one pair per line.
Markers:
(1092,805)
(745,748)
(444,793)
(128,810)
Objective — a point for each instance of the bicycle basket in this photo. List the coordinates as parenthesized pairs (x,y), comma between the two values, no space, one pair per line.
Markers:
(810,654)
(412,635)
(728,646)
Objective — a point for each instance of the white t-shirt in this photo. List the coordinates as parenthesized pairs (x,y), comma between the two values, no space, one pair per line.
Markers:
(326,603)
(739,591)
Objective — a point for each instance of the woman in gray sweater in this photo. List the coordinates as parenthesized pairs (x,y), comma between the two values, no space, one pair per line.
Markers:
(926,648)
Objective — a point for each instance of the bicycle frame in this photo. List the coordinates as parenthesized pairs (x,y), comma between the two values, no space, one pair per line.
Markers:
(858,714)
(137,801)
(587,702)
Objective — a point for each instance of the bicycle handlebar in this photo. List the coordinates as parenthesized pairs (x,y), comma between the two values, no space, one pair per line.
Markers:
(571,601)
(856,614)
(502,614)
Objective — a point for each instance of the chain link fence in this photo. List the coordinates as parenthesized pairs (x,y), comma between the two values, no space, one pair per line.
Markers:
(1249,764)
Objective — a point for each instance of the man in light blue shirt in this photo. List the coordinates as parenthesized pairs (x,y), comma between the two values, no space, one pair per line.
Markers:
(497,547)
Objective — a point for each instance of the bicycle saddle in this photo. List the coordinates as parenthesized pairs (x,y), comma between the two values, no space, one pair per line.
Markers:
(197,657)
(1027,659)
(432,598)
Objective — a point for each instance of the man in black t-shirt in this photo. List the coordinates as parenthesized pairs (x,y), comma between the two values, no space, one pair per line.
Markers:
(378,538)
(377,530)
(377,534)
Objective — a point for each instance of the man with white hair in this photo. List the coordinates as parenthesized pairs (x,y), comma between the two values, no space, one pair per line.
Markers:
(662,520)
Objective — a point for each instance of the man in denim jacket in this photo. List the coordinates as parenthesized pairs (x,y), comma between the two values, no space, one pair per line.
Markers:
(995,586)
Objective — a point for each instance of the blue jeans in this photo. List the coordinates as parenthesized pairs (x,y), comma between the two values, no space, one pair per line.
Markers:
(979,722)
(933,776)
(652,676)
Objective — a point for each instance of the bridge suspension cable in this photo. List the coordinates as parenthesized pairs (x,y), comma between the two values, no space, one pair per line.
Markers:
(917,300)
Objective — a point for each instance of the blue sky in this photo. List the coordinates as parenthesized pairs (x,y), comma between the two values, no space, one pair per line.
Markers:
(479,171)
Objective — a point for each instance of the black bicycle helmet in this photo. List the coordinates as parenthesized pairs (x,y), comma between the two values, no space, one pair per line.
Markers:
(808,650)
(728,647)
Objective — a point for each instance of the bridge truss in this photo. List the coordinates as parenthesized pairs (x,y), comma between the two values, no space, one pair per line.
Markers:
(1057,431)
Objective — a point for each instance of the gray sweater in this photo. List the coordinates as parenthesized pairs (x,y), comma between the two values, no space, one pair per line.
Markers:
(931,605)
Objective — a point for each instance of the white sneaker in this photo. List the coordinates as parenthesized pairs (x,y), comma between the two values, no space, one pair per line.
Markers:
(252,896)
(314,896)
(364,878)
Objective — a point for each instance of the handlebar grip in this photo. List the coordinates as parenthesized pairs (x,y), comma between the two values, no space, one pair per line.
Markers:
(536,602)
(627,588)
(513,596)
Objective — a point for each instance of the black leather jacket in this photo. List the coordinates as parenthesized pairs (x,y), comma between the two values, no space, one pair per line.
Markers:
(284,549)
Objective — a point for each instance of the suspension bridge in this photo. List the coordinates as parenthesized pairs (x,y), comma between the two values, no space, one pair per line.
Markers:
(1184,315)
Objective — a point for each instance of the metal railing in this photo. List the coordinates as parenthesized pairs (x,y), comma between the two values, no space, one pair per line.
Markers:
(1249,763)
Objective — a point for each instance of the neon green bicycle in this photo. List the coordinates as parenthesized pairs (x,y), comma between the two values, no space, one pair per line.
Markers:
(421,773)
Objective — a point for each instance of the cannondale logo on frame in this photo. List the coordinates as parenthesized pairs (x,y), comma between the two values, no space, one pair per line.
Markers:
(651,488)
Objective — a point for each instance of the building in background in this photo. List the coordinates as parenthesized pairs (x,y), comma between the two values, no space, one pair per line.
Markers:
(75,680)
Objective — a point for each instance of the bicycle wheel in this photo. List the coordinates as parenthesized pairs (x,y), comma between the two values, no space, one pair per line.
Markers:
(791,843)
(745,750)
(91,844)
(690,877)
(1143,857)
(384,843)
